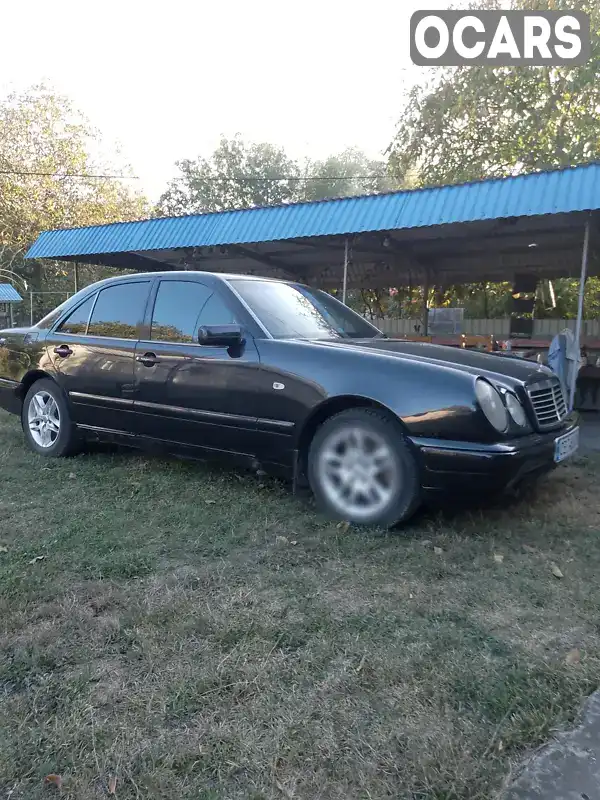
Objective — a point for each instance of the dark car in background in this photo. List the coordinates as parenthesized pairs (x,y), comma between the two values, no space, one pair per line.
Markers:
(280,376)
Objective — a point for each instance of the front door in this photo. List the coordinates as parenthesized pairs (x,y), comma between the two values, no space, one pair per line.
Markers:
(93,351)
(193,395)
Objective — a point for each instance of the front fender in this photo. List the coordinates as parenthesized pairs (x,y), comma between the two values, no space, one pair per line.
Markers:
(431,400)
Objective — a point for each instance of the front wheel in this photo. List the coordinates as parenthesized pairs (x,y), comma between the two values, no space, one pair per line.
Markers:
(361,469)
(46,421)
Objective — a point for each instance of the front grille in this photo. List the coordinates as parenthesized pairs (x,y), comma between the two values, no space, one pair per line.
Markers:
(548,401)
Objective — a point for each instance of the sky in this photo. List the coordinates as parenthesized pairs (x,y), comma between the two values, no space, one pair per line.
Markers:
(165,80)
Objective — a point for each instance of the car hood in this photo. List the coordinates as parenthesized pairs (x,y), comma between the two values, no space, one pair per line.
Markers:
(14,331)
(454,357)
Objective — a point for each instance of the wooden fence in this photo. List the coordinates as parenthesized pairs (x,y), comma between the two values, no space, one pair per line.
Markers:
(542,328)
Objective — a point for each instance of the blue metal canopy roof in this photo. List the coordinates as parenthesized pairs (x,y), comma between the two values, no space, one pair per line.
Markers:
(8,294)
(555,192)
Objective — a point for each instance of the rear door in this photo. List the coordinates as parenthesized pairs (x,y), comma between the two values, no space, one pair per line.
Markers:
(93,353)
(193,395)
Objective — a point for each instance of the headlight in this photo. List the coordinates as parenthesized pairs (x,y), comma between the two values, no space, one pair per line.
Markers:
(491,404)
(516,410)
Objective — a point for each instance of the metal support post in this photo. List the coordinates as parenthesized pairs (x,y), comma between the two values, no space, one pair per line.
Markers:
(426,305)
(582,279)
(345,271)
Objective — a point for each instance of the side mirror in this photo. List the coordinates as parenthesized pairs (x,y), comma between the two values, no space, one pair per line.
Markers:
(220,335)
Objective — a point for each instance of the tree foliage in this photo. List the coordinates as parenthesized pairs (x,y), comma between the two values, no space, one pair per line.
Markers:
(237,175)
(346,174)
(44,141)
(470,123)
(474,122)
(246,175)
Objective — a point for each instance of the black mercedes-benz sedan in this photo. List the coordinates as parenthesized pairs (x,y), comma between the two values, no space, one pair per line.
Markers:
(278,376)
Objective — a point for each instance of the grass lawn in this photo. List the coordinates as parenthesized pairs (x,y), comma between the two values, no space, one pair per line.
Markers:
(199,634)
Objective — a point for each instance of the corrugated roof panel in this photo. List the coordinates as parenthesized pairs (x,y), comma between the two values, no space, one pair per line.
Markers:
(8,294)
(448,204)
(559,191)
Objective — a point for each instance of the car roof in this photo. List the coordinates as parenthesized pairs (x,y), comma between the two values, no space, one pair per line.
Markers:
(212,276)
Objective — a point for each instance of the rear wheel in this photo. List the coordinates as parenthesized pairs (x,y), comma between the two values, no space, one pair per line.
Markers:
(46,421)
(361,469)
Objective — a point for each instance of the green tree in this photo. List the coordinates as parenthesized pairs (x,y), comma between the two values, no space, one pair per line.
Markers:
(236,175)
(470,123)
(43,142)
(346,174)
(246,175)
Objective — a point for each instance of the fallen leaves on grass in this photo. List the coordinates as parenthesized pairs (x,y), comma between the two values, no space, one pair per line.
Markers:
(53,780)
(573,657)
(556,570)
(36,559)
(112,784)
(498,558)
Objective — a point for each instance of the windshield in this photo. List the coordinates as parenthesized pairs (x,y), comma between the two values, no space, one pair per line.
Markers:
(290,311)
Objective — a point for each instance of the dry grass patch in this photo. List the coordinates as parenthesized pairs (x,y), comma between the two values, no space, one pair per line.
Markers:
(190,649)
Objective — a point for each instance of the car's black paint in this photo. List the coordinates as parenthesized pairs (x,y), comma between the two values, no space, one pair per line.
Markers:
(262,400)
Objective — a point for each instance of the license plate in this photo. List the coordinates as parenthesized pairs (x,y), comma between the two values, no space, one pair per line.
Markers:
(566,445)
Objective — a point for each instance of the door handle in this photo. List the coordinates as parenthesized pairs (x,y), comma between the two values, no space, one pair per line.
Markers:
(148,359)
(63,350)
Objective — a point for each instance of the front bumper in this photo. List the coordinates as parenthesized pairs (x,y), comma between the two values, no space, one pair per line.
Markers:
(472,468)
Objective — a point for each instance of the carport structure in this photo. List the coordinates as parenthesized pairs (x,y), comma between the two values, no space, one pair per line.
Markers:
(543,225)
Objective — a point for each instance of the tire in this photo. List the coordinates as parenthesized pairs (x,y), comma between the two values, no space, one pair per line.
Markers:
(52,434)
(382,472)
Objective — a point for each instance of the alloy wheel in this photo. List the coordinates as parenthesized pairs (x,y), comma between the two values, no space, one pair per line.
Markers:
(43,419)
(358,471)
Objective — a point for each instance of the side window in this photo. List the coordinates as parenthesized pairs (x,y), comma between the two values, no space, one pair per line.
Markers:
(176,311)
(77,320)
(118,311)
(216,312)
